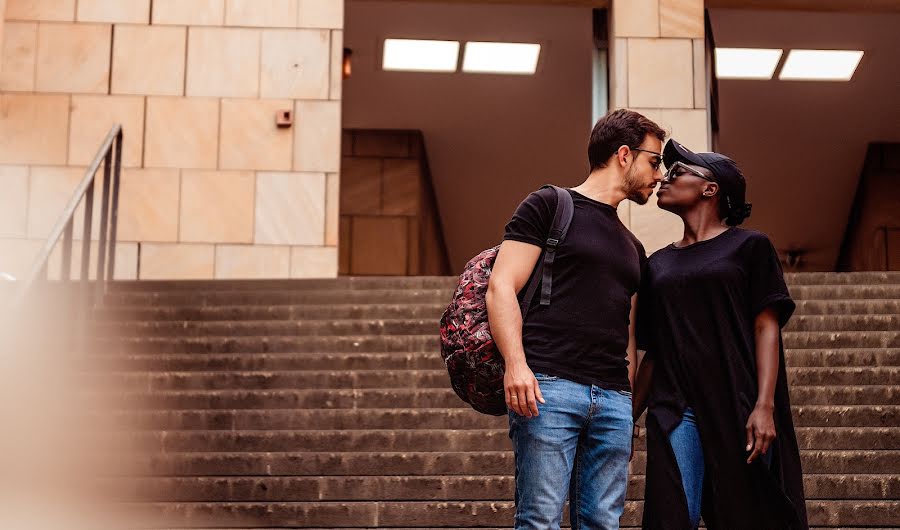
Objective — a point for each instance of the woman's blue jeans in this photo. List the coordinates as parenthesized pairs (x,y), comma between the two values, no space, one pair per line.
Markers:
(685,441)
(579,445)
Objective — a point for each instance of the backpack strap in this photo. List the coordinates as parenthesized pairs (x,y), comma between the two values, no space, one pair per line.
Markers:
(565,209)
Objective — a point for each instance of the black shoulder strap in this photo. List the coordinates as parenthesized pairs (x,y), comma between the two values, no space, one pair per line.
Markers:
(565,208)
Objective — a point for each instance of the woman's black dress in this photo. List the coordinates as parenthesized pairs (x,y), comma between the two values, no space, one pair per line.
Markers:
(696,314)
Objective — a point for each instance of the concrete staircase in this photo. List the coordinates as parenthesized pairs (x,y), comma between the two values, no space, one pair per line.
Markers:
(325,404)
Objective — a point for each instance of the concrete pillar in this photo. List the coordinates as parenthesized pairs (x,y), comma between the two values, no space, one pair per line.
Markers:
(2,23)
(658,69)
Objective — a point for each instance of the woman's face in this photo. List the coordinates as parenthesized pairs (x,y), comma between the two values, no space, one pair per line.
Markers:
(682,188)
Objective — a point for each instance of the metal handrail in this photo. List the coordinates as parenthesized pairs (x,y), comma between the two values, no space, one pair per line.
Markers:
(110,154)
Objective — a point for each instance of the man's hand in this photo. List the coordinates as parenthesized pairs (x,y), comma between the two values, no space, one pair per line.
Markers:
(760,431)
(522,390)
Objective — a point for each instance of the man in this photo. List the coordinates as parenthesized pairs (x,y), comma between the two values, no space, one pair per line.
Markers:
(569,366)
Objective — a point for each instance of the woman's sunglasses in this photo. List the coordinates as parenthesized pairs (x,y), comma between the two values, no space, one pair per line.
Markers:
(679,168)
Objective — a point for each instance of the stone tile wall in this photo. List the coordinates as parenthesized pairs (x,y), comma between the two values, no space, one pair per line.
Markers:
(658,69)
(212,188)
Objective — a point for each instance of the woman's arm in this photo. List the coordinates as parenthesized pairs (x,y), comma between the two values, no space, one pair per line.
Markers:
(761,424)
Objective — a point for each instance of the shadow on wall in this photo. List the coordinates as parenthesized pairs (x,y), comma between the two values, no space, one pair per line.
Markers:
(872,241)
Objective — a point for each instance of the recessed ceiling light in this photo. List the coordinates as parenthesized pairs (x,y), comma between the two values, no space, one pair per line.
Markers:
(420,55)
(746,63)
(501,57)
(820,65)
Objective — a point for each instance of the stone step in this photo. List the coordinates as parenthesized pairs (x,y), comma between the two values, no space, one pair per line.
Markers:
(358,379)
(844,323)
(845,292)
(418,326)
(847,307)
(405,398)
(841,278)
(263,328)
(433,463)
(266,312)
(831,438)
(414,343)
(460,514)
(278,297)
(418,488)
(341,283)
(408,361)
(399,419)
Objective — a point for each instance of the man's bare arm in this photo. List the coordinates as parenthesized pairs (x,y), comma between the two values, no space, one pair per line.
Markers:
(514,264)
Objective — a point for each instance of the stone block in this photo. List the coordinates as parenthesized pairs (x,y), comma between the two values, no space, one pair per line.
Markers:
(401,181)
(34,129)
(379,246)
(167,261)
(689,126)
(654,227)
(250,139)
(337,64)
(148,205)
(618,83)
(14,201)
(332,208)
(261,13)
(117,11)
(252,262)
(149,60)
(660,73)
(317,138)
(314,262)
(189,12)
(49,192)
(361,186)
(125,267)
(45,10)
(635,18)
(93,116)
(19,56)
(295,64)
(73,58)
(321,14)
(681,18)
(290,208)
(223,62)
(700,90)
(217,206)
(181,132)
(17,256)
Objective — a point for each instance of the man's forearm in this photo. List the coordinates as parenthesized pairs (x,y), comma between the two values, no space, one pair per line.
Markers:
(505,319)
(641,391)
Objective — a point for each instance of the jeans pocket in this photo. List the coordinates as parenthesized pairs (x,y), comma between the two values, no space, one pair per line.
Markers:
(543,378)
(626,393)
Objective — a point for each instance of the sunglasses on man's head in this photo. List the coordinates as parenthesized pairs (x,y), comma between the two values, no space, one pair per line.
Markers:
(680,168)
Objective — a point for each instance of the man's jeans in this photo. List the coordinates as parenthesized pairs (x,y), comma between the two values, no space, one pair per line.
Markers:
(580,444)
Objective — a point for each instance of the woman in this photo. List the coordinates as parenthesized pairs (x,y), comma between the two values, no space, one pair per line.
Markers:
(720,439)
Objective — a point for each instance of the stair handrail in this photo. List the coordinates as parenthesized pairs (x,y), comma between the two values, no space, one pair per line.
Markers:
(110,154)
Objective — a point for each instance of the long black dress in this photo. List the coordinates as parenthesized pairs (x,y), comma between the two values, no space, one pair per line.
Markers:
(696,314)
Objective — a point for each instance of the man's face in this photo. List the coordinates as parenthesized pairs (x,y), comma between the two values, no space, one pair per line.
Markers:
(643,173)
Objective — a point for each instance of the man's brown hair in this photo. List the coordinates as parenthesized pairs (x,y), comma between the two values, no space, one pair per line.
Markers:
(619,127)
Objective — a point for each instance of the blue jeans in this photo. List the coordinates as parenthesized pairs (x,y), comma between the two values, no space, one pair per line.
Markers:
(685,441)
(579,444)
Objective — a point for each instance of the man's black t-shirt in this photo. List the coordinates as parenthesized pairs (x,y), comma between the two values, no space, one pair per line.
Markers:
(583,334)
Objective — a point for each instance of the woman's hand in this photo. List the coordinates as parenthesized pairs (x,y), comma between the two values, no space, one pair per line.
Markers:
(760,431)
(522,389)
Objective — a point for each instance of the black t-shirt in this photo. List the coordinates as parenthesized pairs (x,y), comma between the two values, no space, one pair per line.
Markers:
(583,334)
(696,319)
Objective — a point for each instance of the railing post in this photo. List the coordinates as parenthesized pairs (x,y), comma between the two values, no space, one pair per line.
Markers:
(114,214)
(104,228)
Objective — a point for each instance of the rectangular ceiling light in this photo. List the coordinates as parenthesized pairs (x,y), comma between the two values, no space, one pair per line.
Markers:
(746,63)
(820,65)
(420,55)
(501,58)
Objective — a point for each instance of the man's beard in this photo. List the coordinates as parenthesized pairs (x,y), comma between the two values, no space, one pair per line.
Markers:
(632,187)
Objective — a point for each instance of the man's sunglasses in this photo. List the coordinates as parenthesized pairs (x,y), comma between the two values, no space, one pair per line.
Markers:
(653,163)
(680,168)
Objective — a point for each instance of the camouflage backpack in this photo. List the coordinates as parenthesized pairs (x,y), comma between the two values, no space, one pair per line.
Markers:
(467,347)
